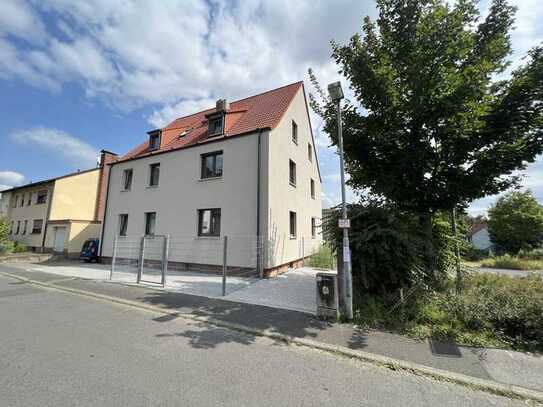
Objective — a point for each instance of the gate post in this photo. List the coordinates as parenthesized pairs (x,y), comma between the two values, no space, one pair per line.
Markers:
(142,259)
(224,265)
(113,258)
(165,259)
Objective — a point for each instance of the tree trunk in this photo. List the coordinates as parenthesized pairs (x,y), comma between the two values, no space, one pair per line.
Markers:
(425,220)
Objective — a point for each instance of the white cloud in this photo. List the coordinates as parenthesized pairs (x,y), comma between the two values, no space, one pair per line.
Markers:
(178,57)
(59,144)
(10,179)
(18,19)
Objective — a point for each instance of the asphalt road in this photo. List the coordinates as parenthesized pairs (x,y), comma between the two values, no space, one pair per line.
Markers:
(59,349)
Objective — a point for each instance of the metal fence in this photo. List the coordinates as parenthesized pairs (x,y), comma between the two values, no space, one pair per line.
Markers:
(165,260)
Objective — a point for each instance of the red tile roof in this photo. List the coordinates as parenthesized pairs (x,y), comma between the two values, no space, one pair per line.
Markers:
(244,116)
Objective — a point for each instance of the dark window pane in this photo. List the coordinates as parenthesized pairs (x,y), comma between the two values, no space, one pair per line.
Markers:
(212,165)
(150,221)
(209,222)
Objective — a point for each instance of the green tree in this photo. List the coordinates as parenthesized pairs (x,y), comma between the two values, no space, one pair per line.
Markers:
(431,128)
(516,222)
(4,229)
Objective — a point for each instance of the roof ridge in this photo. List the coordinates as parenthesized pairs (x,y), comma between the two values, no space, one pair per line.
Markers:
(236,101)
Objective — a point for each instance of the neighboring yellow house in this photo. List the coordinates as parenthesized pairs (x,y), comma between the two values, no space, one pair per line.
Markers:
(59,214)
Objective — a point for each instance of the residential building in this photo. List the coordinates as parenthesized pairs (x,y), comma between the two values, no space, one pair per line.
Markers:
(246,168)
(479,237)
(59,214)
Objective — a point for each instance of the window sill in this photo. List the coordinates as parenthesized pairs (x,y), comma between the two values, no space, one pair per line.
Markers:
(210,178)
(292,237)
(125,190)
(151,186)
(292,185)
(208,237)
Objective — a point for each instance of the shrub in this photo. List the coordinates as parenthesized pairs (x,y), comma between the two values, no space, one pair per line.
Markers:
(19,248)
(4,229)
(492,310)
(536,254)
(323,258)
(471,253)
(387,247)
(6,247)
(510,262)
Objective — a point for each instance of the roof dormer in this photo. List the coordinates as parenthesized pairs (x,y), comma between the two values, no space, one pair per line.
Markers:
(216,119)
(154,139)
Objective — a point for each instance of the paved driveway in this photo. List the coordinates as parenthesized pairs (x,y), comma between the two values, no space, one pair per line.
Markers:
(293,290)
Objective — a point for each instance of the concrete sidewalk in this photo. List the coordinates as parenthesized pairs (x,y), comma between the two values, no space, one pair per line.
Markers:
(507,367)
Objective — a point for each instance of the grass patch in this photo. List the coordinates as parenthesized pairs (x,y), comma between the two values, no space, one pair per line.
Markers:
(510,262)
(322,259)
(492,311)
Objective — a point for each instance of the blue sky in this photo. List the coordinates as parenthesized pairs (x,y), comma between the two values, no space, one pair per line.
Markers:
(78,76)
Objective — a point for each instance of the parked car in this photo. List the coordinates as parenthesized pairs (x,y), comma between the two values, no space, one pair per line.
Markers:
(89,252)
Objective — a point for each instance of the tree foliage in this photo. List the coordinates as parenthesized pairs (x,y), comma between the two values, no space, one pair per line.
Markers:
(516,222)
(4,229)
(388,247)
(430,128)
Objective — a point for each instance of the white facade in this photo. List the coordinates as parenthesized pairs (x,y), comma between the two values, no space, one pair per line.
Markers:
(181,193)
(481,239)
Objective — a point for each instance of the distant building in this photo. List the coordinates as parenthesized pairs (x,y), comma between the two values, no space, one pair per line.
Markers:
(59,214)
(479,237)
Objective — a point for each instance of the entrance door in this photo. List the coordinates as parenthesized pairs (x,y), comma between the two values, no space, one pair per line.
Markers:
(60,237)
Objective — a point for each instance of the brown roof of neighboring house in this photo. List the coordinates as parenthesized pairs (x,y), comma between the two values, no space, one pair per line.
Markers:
(262,111)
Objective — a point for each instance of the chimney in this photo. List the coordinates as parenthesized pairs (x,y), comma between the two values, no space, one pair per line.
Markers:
(222,105)
(106,157)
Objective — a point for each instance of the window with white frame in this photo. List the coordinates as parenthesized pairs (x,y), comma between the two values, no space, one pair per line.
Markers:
(216,125)
(212,165)
(123,224)
(292,224)
(292,172)
(37,225)
(294,132)
(154,140)
(150,223)
(209,222)
(41,198)
(154,174)
(127,179)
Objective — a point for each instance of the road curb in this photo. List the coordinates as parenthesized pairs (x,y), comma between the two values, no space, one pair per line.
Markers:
(489,386)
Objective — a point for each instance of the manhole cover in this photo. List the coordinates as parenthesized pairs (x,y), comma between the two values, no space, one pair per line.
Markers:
(445,349)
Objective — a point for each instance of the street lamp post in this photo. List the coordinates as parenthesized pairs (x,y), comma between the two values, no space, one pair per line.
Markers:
(345,277)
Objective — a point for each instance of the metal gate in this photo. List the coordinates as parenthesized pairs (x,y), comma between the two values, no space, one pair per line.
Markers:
(221,264)
(140,259)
